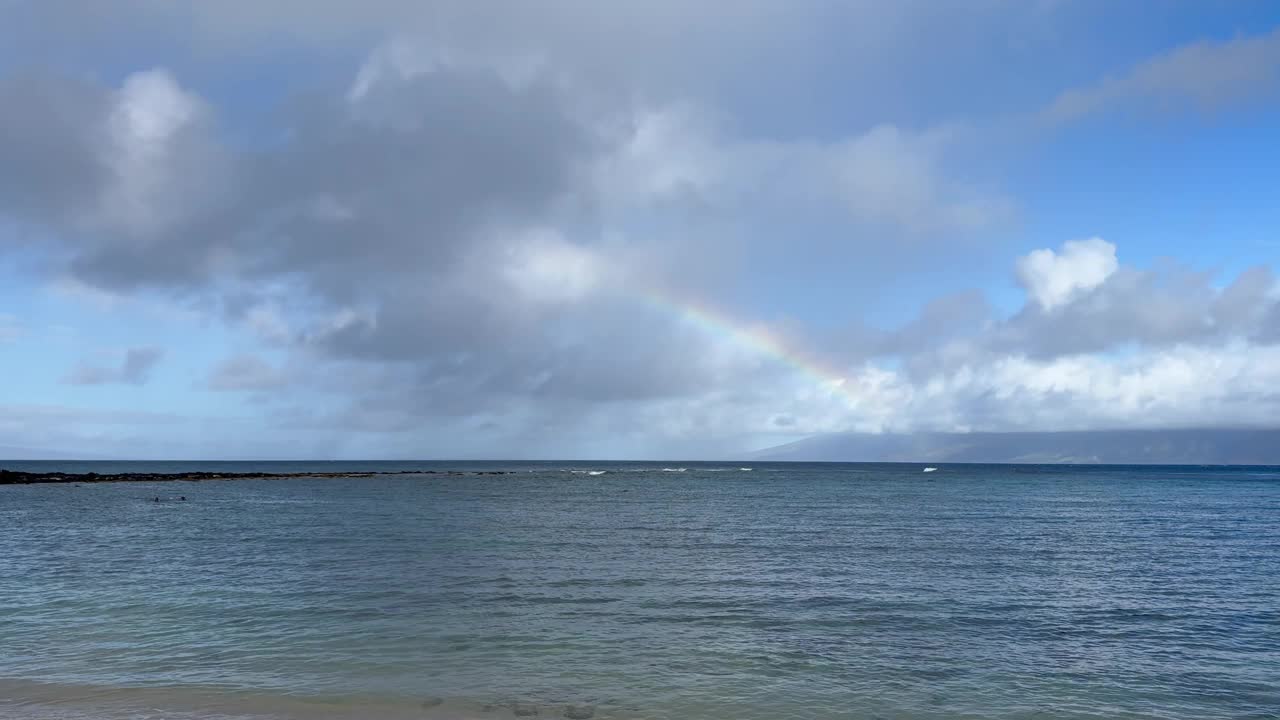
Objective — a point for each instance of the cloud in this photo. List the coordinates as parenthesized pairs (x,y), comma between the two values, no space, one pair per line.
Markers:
(887,177)
(1181,386)
(1206,75)
(1097,344)
(476,229)
(140,191)
(134,369)
(132,434)
(1107,307)
(157,156)
(51,147)
(17,416)
(1080,302)
(246,372)
(891,176)
(503,228)
(651,47)
(1052,279)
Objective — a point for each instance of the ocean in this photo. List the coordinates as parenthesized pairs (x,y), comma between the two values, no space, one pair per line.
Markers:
(679,591)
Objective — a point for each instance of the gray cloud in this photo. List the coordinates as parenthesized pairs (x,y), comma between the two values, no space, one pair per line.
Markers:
(141,434)
(134,369)
(51,146)
(1205,75)
(957,316)
(246,372)
(399,181)
(766,62)
(445,216)
(480,230)
(1131,311)
(1152,308)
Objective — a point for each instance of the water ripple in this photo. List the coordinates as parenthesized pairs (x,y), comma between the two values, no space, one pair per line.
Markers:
(790,592)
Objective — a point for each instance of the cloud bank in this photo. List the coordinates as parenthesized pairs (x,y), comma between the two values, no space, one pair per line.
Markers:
(565,231)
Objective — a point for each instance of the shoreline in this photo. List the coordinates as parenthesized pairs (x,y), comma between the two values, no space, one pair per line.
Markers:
(19,477)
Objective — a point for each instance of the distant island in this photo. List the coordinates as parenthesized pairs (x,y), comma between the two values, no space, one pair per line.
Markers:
(1119,447)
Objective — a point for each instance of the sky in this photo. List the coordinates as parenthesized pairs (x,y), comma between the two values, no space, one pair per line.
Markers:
(579,229)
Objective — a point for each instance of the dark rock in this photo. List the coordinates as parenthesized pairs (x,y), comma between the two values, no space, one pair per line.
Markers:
(432,702)
(580,712)
(14,477)
(524,709)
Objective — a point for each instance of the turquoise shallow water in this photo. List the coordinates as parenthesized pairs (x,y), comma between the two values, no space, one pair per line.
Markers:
(789,591)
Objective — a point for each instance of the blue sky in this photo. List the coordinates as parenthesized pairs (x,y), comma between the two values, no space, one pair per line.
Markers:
(436,229)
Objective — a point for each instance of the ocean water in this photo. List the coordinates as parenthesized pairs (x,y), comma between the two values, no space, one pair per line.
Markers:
(787,591)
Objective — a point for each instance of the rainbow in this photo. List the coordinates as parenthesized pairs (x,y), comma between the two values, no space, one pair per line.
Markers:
(762,340)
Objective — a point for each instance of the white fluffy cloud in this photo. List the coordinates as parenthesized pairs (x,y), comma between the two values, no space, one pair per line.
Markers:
(547,268)
(1097,345)
(1177,387)
(1053,278)
(150,114)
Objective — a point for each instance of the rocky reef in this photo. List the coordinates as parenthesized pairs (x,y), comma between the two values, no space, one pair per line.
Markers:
(15,477)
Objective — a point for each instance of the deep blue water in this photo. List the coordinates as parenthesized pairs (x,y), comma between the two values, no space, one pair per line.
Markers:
(790,591)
